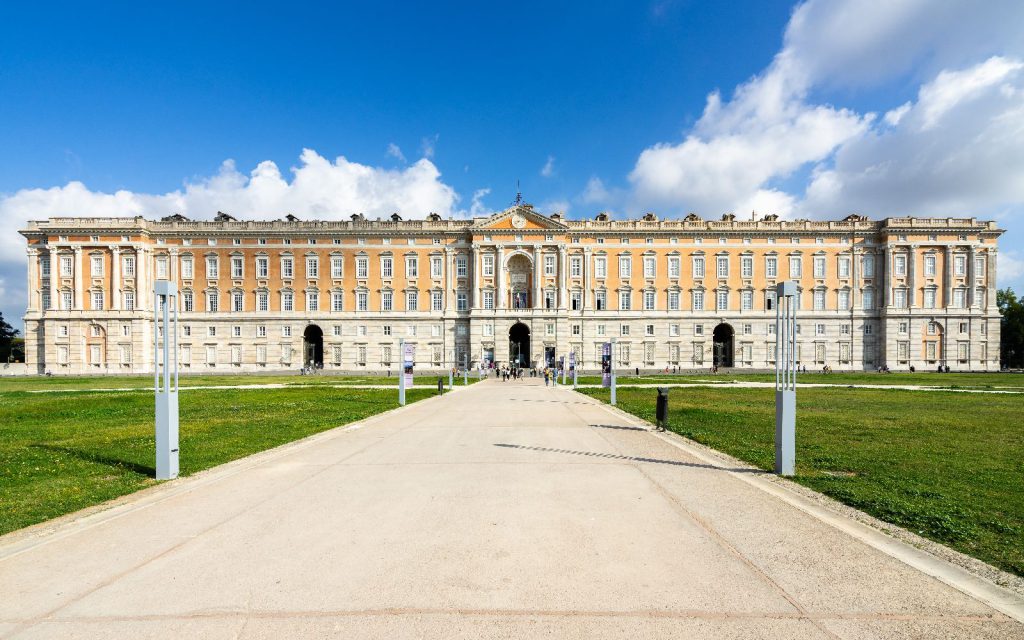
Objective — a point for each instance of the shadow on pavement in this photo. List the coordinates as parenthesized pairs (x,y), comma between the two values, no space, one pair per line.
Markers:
(615,456)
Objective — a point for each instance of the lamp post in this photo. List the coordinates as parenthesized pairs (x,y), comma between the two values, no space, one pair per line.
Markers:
(611,368)
(165,331)
(785,378)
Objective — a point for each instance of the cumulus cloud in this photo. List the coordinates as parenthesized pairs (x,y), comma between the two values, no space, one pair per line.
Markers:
(318,188)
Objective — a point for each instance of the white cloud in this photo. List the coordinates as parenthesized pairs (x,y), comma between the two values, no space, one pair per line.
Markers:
(554,206)
(477,206)
(428,145)
(951,88)
(396,152)
(548,169)
(595,192)
(1010,266)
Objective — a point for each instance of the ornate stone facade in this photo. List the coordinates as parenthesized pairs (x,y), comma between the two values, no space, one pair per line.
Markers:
(686,292)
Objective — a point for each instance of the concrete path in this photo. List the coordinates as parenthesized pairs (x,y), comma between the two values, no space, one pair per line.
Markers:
(504,510)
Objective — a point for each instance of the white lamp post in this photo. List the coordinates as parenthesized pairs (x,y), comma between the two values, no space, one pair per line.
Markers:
(785,378)
(165,342)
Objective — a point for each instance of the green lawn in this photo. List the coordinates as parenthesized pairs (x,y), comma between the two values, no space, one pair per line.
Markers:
(1012,381)
(946,465)
(62,451)
(201,380)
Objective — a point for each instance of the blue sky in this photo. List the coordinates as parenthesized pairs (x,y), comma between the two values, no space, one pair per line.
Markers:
(812,110)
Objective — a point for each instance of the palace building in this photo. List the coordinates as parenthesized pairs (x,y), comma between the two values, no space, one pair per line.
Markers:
(516,286)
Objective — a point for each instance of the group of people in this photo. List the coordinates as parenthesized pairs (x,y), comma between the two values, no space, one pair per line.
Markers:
(513,372)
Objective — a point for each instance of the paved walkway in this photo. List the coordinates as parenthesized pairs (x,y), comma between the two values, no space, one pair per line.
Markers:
(502,510)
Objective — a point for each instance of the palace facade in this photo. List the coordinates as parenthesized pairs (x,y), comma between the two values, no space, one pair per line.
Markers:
(514,286)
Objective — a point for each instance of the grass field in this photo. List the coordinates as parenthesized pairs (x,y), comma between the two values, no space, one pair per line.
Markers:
(1009,381)
(63,451)
(146,381)
(948,466)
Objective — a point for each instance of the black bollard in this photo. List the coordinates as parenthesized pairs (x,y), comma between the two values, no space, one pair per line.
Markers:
(662,408)
(440,385)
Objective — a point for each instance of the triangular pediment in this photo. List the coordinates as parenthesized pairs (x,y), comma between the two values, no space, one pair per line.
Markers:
(517,218)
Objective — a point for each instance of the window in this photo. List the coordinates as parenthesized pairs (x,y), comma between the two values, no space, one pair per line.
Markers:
(488,268)
(187,301)
(929,266)
(211,332)
(748,329)
(262,301)
(386,267)
(63,331)
(929,298)
(549,299)
(698,266)
(387,329)
(673,330)
(601,299)
(488,330)
(549,328)
(963,327)
(287,301)
(96,263)
(66,266)
(337,301)
(843,299)
(549,265)
(212,301)
(600,267)
(625,267)
(128,267)
(261,331)
(771,267)
(412,267)
(959,265)
(236,331)
(625,300)
(435,266)
(236,266)
(649,300)
(902,328)
(819,300)
(312,301)
(44,299)
(460,266)
(386,301)
(868,266)
(412,300)
(722,300)
(747,266)
(900,265)
(262,267)
(186,267)
(436,300)
(959,298)
(312,267)
(795,267)
(769,300)
(66,300)
(819,266)
(576,329)
(211,267)
(362,267)
(600,330)
(673,301)
(844,267)
(869,298)
(979,267)
(723,266)
(576,267)
(237,303)
(575,300)
(899,298)
(673,266)
(648,330)
(624,330)
(129,300)
(287,267)
(461,303)
(747,300)
(286,332)
(819,329)
(649,267)
(698,300)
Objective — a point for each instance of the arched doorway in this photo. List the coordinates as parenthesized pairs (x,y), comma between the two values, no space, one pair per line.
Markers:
(519,345)
(313,346)
(723,341)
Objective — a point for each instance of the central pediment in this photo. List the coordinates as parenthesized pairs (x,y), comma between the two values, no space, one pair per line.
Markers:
(517,218)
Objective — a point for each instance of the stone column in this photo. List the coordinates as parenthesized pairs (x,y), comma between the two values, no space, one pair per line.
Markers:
(912,276)
(54,279)
(537,267)
(474,261)
(886,273)
(79,285)
(947,280)
(563,275)
(990,279)
(33,279)
(500,277)
(115,278)
(449,256)
(141,280)
(972,277)
(587,279)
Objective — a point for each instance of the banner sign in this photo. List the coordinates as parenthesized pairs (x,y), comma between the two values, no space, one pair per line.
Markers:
(606,364)
(572,361)
(408,360)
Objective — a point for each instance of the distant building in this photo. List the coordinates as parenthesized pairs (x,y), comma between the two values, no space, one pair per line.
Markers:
(514,286)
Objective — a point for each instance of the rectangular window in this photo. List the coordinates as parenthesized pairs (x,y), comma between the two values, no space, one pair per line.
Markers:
(575,300)
(819,300)
(211,268)
(549,265)
(625,267)
(237,303)
(795,267)
(649,300)
(960,265)
(771,267)
(673,301)
(236,331)
(929,266)
(412,300)
(600,267)
(312,267)
(312,301)
(97,300)
(549,299)
(649,267)
(649,330)
(844,267)
(261,331)
(900,298)
(698,300)
(386,267)
(386,301)
(412,267)
(212,301)
(723,266)
(601,300)
(488,266)
(286,332)
(698,267)
(488,299)
(236,267)
(436,300)
(287,268)
(66,300)
(625,300)
(722,300)
(128,267)
(959,298)
(129,301)
(461,303)
(673,267)
(460,266)
(262,267)
(868,266)
(747,300)
(97,266)
(869,298)
(979,267)
(747,266)
(576,267)
(929,298)
(819,266)
(844,299)
(900,265)
(337,301)
(436,267)
(362,267)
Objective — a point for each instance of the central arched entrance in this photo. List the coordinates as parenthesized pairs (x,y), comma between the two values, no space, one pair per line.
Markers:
(723,345)
(519,345)
(313,346)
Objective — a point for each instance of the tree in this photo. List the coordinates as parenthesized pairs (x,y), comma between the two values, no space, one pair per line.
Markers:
(7,336)
(1011,341)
